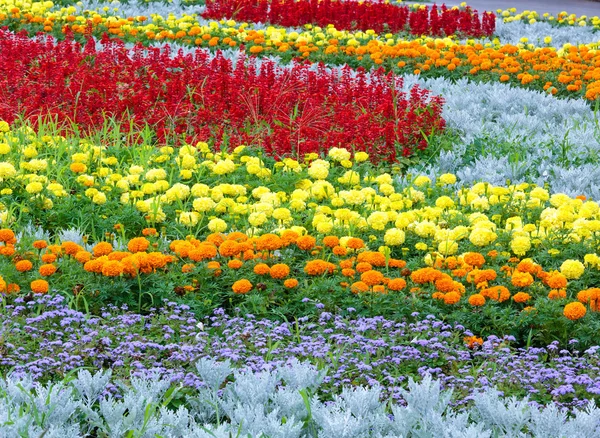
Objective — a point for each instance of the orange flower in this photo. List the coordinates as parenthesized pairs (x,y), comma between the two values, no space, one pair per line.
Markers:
(149,232)
(474,259)
(372,277)
(574,311)
(39,286)
(306,242)
(203,252)
(49,258)
(83,256)
(521,279)
(348,263)
(102,248)
(11,288)
(396,284)
(445,283)
(280,270)
(331,241)
(235,264)
(242,286)
(318,267)
(556,280)
(215,238)
(425,275)
(6,235)
(476,300)
(355,243)
(215,267)
(268,242)
(229,248)
(290,283)
(358,287)
(23,266)
(363,267)
(187,268)
(237,236)
(71,248)
(262,269)
(47,270)
(395,263)
(78,167)
(339,251)
(451,298)
(556,294)
(379,288)
(112,268)
(7,250)
(40,244)
(521,297)
(372,257)
(348,272)
(288,237)
(473,341)
(480,276)
(138,244)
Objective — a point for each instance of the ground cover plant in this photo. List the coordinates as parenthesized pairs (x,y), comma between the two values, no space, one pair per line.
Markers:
(206,214)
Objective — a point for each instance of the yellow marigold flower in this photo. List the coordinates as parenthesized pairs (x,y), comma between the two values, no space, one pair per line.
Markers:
(572,269)
(574,311)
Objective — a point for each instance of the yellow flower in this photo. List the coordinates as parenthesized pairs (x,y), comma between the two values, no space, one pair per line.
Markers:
(4,127)
(395,237)
(361,157)
(217,225)
(4,148)
(339,154)
(189,219)
(421,181)
(34,187)
(520,245)
(572,269)
(7,170)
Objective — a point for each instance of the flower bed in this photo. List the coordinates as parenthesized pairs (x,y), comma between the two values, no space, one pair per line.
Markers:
(350,15)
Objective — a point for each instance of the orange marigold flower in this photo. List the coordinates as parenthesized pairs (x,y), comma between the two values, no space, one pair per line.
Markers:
(229,248)
(379,288)
(437,295)
(39,286)
(269,242)
(306,243)
(482,275)
(348,263)
(473,341)
(112,268)
(235,264)
(55,249)
(204,252)
(460,273)
(355,243)
(363,267)
(118,255)
(102,248)
(49,258)
(396,263)
(528,266)
(474,259)
(290,283)
(318,267)
(331,241)
(83,256)
(476,300)
(78,167)
(288,237)
(556,280)
(348,272)
(11,288)
(47,270)
(23,266)
(372,277)
(71,248)
(396,284)
(215,267)
(40,244)
(280,270)
(556,294)
(6,235)
(521,279)
(372,257)
(358,287)
(339,251)
(187,268)
(7,250)
(425,275)
(451,298)
(149,232)
(262,269)
(445,284)
(215,238)
(138,244)
(521,297)
(237,236)
(242,286)
(574,311)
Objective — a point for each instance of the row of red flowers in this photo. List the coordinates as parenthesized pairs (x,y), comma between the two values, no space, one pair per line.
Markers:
(286,111)
(352,15)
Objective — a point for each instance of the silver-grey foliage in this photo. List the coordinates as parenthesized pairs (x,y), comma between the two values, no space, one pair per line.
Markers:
(265,405)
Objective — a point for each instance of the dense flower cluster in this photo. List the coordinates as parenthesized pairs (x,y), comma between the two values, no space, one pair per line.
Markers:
(284,111)
(349,15)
